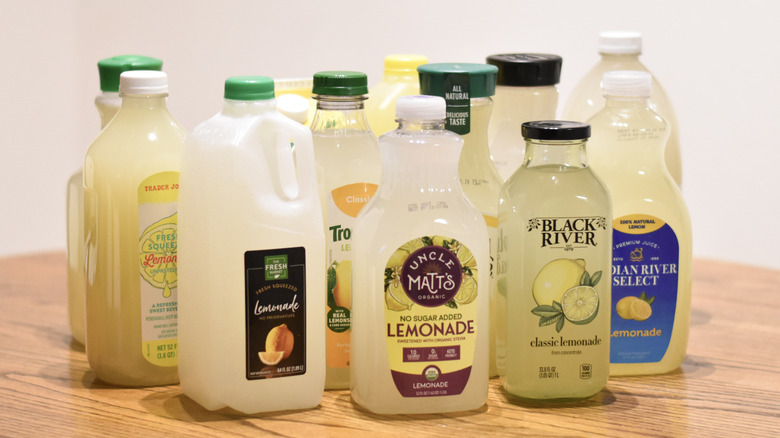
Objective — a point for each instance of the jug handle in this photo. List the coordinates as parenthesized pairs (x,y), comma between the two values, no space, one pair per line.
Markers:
(303,155)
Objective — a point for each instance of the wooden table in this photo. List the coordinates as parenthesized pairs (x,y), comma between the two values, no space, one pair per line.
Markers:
(729,384)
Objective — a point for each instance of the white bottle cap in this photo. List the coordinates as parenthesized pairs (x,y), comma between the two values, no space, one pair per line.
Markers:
(627,83)
(421,108)
(143,82)
(620,42)
(293,106)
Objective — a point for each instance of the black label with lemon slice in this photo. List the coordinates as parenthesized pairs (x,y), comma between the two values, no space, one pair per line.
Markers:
(275,312)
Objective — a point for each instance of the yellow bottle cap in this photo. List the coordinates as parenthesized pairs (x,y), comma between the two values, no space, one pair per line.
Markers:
(404,63)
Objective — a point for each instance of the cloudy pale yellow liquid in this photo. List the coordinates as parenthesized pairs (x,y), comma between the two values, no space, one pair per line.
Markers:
(107,105)
(551,191)
(638,182)
(481,182)
(346,152)
(143,140)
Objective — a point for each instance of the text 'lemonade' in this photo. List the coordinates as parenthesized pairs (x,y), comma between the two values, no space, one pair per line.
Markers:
(553,267)
(419,342)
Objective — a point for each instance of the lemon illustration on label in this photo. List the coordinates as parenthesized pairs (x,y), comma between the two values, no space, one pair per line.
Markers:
(342,291)
(396,297)
(281,340)
(636,308)
(565,291)
(157,254)
(555,278)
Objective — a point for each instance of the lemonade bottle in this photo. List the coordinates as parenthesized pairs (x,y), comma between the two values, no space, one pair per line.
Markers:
(420,338)
(620,51)
(467,89)
(651,265)
(131,178)
(252,248)
(400,79)
(554,267)
(348,171)
(525,91)
(107,103)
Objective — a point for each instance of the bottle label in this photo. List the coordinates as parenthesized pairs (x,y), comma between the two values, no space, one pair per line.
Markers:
(430,288)
(344,204)
(157,198)
(275,312)
(645,257)
(567,299)
(457,96)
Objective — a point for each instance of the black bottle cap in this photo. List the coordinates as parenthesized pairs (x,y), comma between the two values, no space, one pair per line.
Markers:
(556,130)
(527,69)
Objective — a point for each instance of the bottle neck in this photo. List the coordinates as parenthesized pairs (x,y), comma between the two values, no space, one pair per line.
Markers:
(238,108)
(144,102)
(420,158)
(475,147)
(627,102)
(337,113)
(563,154)
(400,76)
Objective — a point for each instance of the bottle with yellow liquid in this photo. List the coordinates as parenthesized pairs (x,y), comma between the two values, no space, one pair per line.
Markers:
(620,51)
(467,89)
(348,171)
(400,79)
(252,268)
(421,254)
(525,91)
(554,265)
(651,264)
(294,100)
(131,184)
(107,103)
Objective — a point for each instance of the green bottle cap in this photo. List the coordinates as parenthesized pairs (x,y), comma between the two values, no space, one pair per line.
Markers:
(435,79)
(340,83)
(249,88)
(110,69)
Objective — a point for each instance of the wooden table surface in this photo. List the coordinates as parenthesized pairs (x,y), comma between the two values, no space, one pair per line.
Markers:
(729,384)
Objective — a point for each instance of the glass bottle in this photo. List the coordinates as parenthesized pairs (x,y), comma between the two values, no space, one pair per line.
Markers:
(554,266)
(620,51)
(107,103)
(420,322)
(348,171)
(651,265)
(131,178)
(468,88)
(525,91)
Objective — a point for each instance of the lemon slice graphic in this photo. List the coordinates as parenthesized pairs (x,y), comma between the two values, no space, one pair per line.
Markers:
(157,254)
(580,304)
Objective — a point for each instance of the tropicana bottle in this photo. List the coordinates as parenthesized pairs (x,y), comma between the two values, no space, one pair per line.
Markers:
(252,249)
(467,89)
(525,91)
(620,51)
(348,171)
(651,264)
(554,263)
(107,103)
(399,79)
(420,330)
(131,181)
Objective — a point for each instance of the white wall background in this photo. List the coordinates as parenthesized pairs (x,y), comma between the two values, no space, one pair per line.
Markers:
(718,61)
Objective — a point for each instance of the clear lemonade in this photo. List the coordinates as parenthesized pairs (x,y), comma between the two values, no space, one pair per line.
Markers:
(554,266)
(131,180)
(525,91)
(651,265)
(467,89)
(252,254)
(348,171)
(420,338)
